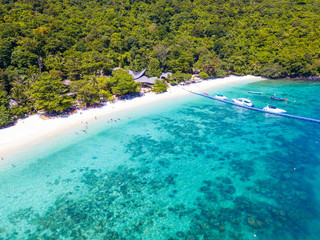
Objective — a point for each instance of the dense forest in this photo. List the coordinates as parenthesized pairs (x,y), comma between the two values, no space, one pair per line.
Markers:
(43,42)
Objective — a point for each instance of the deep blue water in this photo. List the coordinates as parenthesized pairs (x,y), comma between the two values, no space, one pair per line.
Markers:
(189,168)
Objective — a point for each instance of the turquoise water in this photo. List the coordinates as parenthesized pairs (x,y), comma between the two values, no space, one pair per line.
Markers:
(191,168)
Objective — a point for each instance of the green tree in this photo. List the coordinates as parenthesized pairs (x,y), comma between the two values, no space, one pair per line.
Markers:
(6,48)
(87,93)
(272,70)
(48,94)
(105,86)
(116,42)
(23,58)
(154,69)
(3,98)
(5,116)
(214,67)
(20,93)
(203,75)
(123,83)
(5,113)
(181,77)
(55,62)
(159,86)
(162,53)
(181,61)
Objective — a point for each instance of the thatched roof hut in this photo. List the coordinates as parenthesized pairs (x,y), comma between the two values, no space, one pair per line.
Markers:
(137,75)
(66,82)
(13,103)
(145,81)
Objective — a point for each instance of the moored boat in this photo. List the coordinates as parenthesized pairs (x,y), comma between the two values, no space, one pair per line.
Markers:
(220,96)
(259,93)
(278,98)
(273,109)
(243,101)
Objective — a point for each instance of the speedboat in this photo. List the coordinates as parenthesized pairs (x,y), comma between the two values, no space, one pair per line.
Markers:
(220,96)
(259,93)
(278,98)
(243,101)
(273,109)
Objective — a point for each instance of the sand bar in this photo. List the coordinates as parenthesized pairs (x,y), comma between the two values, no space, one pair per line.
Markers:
(33,129)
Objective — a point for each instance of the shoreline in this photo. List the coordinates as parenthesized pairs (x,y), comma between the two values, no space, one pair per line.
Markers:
(312,78)
(32,130)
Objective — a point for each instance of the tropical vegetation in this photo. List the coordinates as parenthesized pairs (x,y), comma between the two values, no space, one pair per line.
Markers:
(43,42)
(159,86)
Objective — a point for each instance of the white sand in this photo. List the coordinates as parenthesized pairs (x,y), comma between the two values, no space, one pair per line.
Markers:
(33,129)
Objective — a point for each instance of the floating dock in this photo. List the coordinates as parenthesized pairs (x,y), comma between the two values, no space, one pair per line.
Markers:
(257,109)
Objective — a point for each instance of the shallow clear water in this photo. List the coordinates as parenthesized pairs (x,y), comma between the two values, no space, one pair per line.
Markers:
(191,168)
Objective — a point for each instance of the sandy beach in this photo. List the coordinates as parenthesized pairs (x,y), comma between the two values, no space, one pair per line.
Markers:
(32,129)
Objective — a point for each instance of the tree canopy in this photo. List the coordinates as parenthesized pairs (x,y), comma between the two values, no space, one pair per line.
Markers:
(159,86)
(123,83)
(82,37)
(76,40)
(48,94)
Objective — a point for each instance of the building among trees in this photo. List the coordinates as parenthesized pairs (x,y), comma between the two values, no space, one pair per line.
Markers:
(143,79)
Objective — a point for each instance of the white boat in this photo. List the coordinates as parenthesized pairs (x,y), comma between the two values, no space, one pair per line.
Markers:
(220,96)
(243,101)
(259,93)
(273,109)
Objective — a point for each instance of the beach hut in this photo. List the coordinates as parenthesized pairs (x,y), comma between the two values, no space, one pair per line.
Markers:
(142,78)
(145,81)
(137,75)
(12,103)
(66,82)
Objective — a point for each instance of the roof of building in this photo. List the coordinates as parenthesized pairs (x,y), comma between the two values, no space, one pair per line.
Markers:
(117,68)
(66,82)
(13,103)
(165,74)
(145,79)
(137,75)
(140,77)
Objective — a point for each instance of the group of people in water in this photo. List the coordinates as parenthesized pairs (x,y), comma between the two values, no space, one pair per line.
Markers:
(111,120)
